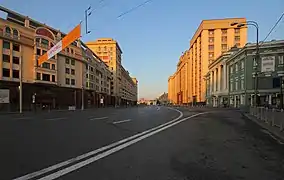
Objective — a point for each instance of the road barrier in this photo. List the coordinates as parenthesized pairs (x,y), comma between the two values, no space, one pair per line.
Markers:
(272,117)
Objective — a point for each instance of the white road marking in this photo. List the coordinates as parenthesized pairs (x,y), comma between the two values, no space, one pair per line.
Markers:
(122,121)
(272,136)
(78,158)
(111,151)
(98,118)
(53,119)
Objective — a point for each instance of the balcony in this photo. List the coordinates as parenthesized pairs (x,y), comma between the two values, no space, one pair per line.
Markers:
(10,36)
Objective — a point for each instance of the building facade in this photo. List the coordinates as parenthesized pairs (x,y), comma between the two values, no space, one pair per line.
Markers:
(57,83)
(247,76)
(122,87)
(212,38)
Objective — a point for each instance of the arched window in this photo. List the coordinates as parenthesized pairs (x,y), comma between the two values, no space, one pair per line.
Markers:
(8,30)
(15,32)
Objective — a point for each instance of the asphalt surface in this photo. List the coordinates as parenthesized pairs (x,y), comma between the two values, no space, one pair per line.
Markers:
(203,144)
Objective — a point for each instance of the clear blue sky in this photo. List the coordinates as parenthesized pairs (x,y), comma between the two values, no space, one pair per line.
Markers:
(154,36)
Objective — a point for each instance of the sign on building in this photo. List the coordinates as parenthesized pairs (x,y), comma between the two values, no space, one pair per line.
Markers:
(4,96)
(268,64)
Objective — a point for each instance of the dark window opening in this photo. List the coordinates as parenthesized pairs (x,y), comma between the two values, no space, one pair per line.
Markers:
(16,74)
(38,76)
(16,47)
(6,72)
(16,60)
(45,77)
(6,58)
(53,78)
(6,44)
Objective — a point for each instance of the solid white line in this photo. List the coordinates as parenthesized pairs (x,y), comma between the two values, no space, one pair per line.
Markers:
(78,158)
(98,118)
(53,119)
(111,151)
(122,121)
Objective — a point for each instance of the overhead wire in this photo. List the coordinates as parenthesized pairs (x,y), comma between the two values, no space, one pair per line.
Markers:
(133,8)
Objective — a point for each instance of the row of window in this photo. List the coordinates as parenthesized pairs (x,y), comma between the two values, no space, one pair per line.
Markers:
(224,31)
(236,87)
(7,45)
(70,81)
(224,39)
(70,61)
(47,66)
(45,77)
(6,58)
(6,73)
(11,31)
(67,71)
(104,48)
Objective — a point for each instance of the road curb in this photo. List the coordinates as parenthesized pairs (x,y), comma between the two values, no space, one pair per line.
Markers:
(265,126)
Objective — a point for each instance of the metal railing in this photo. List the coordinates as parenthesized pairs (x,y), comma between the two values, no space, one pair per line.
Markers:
(272,117)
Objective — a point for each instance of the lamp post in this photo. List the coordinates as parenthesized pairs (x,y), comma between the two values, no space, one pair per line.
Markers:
(255,24)
(21,87)
(87,14)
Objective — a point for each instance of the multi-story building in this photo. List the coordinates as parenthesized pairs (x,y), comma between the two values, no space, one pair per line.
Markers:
(171,90)
(122,87)
(217,87)
(212,38)
(58,82)
(246,75)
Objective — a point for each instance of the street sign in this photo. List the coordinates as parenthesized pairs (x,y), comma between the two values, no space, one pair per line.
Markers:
(4,96)
(268,64)
(66,41)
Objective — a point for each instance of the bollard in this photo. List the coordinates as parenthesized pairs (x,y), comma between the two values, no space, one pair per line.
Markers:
(282,121)
(273,116)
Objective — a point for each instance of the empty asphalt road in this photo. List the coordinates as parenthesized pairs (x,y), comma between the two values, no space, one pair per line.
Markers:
(137,143)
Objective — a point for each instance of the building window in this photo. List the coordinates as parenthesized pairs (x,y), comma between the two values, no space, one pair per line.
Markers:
(87,76)
(44,42)
(45,77)
(237,38)
(37,40)
(72,51)
(224,31)
(15,33)
(211,55)
(224,47)
(45,65)
(38,76)
(211,32)
(105,48)
(231,69)
(6,44)
(73,71)
(237,31)
(73,82)
(67,81)
(72,62)
(238,44)
(211,39)
(16,74)
(67,61)
(16,47)
(6,72)
(242,84)
(16,60)
(67,70)
(38,52)
(53,66)
(53,78)
(8,30)
(211,47)
(224,39)
(280,60)
(6,58)
(87,84)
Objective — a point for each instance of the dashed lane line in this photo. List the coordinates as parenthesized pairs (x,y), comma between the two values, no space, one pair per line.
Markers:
(122,121)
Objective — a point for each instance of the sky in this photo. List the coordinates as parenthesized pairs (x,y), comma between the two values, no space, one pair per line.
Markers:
(153,36)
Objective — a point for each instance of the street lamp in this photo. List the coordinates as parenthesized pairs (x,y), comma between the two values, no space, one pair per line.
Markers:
(255,24)
(87,14)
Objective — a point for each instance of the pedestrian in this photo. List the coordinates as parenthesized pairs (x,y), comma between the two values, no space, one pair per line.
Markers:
(34,102)
(102,102)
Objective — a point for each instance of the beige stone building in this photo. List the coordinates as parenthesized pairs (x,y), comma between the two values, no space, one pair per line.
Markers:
(122,85)
(60,81)
(212,38)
